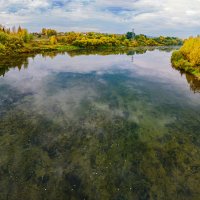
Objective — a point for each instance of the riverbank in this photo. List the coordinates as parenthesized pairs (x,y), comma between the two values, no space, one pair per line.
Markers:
(35,47)
(39,47)
(20,41)
(187,59)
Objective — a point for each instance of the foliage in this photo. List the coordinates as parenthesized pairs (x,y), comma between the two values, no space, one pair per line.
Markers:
(53,40)
(49,32)
(2,48)
(188,57)
(143,40)
(19,40)
(129,35)
(11,41)
(191,51)
(95,40)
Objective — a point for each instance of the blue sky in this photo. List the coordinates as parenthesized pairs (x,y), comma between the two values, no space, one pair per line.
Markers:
(152,17)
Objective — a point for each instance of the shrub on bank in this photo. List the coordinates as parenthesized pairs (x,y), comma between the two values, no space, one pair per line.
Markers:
(188,57)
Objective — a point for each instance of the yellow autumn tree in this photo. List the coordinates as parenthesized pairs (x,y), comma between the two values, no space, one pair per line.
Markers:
(53,40)
(188,57)
(191,50)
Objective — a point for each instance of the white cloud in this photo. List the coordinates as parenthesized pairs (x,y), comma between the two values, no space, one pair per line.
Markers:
(152,17)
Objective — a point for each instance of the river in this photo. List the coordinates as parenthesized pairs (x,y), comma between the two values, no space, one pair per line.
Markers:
(98,125)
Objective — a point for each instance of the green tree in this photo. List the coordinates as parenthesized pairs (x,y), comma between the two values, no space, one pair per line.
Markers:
(129,35)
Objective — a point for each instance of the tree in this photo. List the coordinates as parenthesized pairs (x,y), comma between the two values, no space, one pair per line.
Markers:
(26,36)
(19,30)
(44,31)
(53,40)
(129,35)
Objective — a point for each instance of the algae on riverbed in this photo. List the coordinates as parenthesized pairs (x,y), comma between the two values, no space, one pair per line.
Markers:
(111,130)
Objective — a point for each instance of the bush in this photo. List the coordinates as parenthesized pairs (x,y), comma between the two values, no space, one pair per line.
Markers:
(191,50)
(53,40)
(3,37)
(14,42)
(2,48)
(188,57)
(177,55)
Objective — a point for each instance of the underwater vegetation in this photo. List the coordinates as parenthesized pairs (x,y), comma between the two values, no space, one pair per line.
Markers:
(90,135)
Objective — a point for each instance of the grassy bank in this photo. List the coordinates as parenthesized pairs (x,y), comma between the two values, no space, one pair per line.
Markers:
(187,59)
(35,46)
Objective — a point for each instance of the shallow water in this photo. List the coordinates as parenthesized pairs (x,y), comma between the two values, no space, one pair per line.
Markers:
(98,125)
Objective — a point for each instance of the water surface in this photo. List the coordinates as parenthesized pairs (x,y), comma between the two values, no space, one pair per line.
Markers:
(98,125)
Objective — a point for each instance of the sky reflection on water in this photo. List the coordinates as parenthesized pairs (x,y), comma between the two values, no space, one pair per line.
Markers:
(99,127)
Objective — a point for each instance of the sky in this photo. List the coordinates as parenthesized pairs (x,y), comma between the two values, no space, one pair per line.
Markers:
(151,17)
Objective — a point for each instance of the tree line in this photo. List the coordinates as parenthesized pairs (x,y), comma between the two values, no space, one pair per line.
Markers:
(20,40)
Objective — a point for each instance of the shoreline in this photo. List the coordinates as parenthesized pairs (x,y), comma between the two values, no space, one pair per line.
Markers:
(180,63)
(68,48)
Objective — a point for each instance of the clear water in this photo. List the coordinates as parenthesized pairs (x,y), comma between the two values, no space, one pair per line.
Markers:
(98,125)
